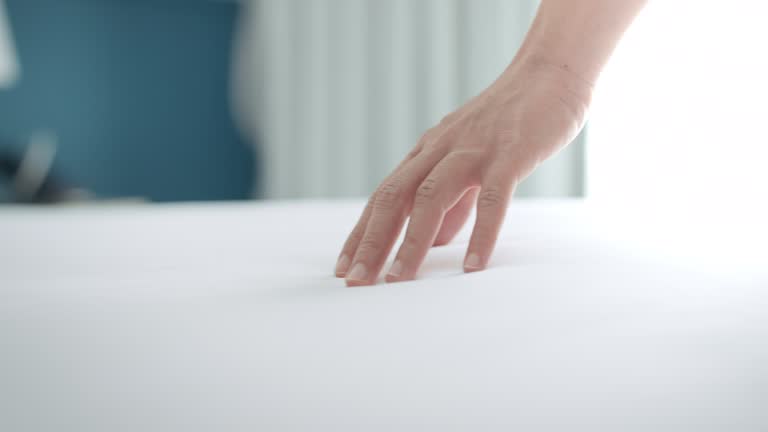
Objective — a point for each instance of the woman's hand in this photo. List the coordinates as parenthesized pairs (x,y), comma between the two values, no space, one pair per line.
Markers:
(475,156)
(480,152)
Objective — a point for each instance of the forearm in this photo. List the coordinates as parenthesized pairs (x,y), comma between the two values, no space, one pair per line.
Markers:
(578,36)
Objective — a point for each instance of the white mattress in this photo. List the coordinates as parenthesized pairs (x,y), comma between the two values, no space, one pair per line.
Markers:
(226,317)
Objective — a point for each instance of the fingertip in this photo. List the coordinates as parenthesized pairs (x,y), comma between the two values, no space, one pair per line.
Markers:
(358,276)
(396,270)
(356,283)
(395,279)
(473,263)
(473,269)
(342,265)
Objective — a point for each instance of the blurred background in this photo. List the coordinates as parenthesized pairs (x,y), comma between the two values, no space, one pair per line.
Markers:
(178,100)
(122,98)
(170,100)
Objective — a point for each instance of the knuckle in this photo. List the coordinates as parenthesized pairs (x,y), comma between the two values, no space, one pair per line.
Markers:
(414,152)
(490,197)
(426,191)
(371,200)
(437,140)
(388,196)
(425,139)
(449,118)
(427,135)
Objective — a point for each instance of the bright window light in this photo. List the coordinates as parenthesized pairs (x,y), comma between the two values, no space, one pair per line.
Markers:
(681,112)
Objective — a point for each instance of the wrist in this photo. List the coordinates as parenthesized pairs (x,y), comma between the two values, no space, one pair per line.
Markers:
(540,69)
(574,39)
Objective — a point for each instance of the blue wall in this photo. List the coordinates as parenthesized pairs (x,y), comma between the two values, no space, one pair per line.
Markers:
(136,92)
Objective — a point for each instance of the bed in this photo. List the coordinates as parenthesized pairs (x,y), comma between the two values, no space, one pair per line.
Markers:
(192,317)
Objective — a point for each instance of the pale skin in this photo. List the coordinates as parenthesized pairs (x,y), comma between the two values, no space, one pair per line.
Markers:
(476,156)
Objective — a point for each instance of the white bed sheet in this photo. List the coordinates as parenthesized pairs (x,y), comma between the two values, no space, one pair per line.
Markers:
(227,317)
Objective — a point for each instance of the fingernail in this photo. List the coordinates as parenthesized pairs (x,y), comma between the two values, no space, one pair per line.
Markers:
(342,265)
(472,262)
(396,269)
(358,273)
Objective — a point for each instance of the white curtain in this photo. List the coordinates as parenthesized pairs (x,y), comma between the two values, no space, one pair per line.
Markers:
(334,92)
(8,63)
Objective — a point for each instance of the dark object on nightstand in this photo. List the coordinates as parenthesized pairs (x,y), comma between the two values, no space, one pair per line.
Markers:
(28,178)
